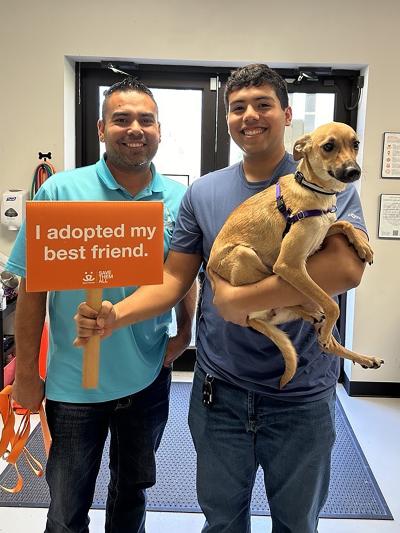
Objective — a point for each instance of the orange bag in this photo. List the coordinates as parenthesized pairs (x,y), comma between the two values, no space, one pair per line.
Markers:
(12,443)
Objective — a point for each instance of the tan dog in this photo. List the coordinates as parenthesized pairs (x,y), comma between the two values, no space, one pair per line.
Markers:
(276,230)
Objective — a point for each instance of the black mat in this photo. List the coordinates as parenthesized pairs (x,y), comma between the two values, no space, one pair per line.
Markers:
(353,493)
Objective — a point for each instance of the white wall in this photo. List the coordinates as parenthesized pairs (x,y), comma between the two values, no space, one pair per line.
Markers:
(36,105)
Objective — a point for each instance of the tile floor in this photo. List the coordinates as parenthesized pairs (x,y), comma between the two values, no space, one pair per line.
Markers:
(376,423)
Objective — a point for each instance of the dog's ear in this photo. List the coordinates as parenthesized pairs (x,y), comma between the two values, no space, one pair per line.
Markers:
(301,146)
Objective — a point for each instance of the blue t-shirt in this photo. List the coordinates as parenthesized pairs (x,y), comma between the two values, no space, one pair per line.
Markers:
(132,357)
(240,355)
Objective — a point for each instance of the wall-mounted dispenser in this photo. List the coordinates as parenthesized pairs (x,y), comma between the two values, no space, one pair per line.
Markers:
(13,208)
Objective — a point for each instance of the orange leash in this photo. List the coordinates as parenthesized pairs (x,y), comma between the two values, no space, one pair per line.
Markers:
(12,443)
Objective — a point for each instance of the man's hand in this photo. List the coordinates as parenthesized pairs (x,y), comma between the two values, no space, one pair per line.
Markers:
(90,322)
(224,300)
(176,346)
(28,391)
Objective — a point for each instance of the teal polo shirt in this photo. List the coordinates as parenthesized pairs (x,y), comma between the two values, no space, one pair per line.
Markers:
(131,358)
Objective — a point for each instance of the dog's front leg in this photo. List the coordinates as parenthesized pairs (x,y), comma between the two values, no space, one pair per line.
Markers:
(291,266)
(360,244)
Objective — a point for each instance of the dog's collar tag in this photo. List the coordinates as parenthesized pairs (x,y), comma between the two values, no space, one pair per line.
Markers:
(301,180)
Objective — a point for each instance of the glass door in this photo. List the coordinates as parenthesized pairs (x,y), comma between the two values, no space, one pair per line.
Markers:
(195,139)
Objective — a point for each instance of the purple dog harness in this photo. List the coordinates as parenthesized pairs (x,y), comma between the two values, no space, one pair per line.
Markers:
(287,212)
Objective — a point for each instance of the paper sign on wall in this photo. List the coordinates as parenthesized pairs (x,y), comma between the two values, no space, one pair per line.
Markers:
(86,245)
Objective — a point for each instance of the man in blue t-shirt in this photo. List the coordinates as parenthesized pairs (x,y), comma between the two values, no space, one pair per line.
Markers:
(135,365)
(239,417)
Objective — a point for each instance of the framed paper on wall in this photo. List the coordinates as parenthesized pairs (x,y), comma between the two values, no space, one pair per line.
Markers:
(391,155)
(389,216)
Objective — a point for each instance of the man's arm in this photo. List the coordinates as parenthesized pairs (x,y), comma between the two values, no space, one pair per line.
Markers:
(28,387)
(185,311)
(336,268)
(180,271)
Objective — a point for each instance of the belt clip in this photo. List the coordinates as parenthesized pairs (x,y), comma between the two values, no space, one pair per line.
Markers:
(208,395)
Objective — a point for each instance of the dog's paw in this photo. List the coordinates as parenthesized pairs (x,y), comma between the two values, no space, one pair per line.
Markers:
(364,251)
(373,362)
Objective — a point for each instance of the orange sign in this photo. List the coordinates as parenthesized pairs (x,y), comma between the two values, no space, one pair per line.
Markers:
(86,245)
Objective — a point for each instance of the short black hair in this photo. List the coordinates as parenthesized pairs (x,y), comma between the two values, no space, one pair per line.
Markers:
(127,84)
(255,75)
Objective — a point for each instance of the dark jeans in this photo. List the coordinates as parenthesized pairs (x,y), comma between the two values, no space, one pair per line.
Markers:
(79,431)
(242,430)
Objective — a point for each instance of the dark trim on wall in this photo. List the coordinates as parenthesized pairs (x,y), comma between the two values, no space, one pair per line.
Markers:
(371,388)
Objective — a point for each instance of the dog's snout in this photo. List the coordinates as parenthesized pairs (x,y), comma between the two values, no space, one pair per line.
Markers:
(348,172)
(351,173)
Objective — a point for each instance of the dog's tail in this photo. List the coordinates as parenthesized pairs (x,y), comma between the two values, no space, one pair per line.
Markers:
(284,344)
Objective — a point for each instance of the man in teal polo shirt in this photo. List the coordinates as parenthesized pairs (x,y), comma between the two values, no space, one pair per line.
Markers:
(132,397)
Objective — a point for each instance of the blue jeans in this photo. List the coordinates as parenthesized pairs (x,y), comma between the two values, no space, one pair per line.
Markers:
(79,431)
(241,430)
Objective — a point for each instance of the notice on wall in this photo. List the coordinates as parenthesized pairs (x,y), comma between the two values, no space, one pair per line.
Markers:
(391,155)
(86,245)
(389,216)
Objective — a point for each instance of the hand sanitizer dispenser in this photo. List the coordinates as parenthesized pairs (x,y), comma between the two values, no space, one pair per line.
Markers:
(13,208)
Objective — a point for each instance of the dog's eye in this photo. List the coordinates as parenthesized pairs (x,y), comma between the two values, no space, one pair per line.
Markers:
(356,145)
(328,147)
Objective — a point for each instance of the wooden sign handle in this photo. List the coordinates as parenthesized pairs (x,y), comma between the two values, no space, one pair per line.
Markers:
(91,352)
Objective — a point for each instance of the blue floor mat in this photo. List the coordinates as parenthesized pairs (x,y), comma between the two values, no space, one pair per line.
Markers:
(353,493)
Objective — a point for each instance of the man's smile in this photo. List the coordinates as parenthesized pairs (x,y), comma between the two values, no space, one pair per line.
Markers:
(137,144)
(251,132)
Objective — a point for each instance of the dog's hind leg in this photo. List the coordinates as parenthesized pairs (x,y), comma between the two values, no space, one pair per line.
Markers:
(242,265)
(333,347)
(315,316)
(282,341)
